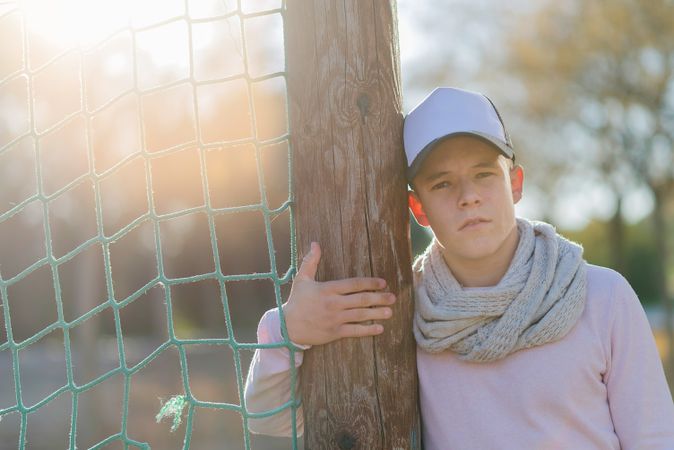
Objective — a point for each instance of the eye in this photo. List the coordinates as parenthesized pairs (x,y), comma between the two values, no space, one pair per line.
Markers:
(484,174)
(440,185)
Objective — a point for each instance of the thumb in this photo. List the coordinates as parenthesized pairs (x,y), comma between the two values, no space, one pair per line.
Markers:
(309,266)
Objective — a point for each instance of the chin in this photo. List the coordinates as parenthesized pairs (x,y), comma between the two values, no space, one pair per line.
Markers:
(477,250)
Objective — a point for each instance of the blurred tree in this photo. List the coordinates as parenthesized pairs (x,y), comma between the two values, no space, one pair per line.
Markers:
(603,72)
(639,256)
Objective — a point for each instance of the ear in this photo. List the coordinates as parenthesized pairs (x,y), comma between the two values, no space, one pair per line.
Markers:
(516,182)
(417,209)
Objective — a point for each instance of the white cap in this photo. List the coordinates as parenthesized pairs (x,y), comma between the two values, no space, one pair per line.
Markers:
(448,112)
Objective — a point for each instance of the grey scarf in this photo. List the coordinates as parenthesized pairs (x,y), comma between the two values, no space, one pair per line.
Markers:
(539,299)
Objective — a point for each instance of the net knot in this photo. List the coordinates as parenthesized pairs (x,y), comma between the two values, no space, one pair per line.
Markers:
(173,407)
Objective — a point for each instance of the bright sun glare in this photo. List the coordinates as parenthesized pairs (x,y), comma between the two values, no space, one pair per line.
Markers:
(84,23)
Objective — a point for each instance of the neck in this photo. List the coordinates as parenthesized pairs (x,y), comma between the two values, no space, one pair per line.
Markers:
(487,271)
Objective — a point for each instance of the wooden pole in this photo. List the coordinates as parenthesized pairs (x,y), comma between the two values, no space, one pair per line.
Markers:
(350,191)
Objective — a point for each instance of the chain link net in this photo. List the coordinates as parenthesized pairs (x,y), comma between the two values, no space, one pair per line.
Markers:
(86,130)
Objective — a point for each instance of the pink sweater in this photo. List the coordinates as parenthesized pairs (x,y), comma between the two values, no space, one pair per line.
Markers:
(601,387)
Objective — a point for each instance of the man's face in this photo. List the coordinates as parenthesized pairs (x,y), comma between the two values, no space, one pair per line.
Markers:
(466,192)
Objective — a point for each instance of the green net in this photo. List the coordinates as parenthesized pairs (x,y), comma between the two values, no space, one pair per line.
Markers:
(49,96)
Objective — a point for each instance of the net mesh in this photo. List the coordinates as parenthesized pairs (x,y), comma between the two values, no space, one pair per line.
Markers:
(43,98)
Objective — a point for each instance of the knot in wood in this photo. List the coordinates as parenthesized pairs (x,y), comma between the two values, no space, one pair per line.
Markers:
(363,103)
(345,440)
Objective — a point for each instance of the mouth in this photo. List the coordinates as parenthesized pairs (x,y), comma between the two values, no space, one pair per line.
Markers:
(473,223)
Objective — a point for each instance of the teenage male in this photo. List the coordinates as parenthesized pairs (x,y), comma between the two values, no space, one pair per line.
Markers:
(521,344)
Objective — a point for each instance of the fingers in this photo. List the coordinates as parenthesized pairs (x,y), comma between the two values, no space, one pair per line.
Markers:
(309,265)
(352,330)
(365,299)
(350,285)
(363,314)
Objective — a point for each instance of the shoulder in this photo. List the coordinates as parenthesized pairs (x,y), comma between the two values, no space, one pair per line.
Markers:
(610,294)
(604,281)
(613,311)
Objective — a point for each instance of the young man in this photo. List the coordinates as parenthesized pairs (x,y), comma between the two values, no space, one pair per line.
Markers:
(520,343)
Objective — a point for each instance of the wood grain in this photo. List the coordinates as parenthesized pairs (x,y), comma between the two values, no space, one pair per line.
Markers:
(345,113)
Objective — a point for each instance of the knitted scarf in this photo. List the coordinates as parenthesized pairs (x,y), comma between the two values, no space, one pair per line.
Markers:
(539,299)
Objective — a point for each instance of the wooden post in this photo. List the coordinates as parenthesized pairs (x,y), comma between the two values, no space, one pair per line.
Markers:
(350,190)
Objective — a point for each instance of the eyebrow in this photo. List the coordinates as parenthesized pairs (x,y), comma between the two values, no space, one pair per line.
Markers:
(483,164)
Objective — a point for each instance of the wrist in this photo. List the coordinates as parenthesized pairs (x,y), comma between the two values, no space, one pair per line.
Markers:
(286,310)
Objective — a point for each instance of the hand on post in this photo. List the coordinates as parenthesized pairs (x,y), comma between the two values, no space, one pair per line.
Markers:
(321,312)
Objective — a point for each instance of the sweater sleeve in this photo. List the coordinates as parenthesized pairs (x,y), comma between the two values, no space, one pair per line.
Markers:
(268,381)
(639,399)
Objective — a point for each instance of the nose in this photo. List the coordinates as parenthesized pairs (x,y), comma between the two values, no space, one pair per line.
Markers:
(468,196)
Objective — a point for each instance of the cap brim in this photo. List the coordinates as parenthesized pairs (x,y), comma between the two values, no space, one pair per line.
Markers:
(423,154)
